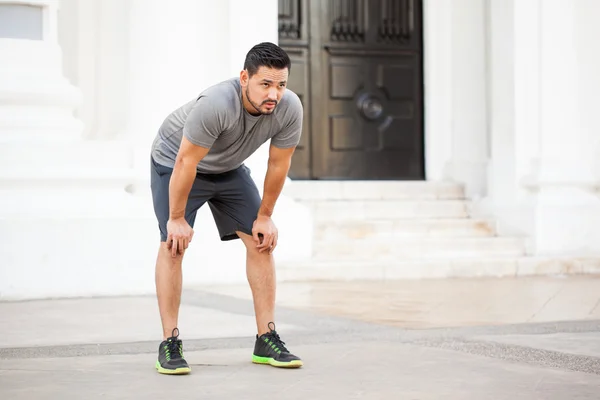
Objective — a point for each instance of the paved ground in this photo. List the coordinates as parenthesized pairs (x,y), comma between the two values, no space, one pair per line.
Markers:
(450,339)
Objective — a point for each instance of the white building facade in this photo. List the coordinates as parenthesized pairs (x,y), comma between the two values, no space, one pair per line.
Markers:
(510,98)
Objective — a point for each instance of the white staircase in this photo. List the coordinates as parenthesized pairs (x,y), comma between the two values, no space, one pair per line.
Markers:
(394,230)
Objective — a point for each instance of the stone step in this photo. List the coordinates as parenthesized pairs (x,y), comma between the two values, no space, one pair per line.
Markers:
(432,269)
(419,248)
(368,210)
(373,190)
(409,228)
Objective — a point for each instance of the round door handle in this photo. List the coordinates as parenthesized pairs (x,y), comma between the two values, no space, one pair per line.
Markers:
(370,106)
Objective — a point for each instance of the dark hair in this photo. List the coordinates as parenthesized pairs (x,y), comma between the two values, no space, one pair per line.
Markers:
(266,54)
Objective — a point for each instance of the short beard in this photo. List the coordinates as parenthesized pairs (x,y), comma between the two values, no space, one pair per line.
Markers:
(257,108)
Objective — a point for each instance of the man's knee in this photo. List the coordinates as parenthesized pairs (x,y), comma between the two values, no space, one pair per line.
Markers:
(251,246)
(166,255)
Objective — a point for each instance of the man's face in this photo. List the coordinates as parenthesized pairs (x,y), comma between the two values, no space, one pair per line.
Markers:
(264,89)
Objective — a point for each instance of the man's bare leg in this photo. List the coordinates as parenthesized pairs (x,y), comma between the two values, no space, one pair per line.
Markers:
(168,288)
(260,271)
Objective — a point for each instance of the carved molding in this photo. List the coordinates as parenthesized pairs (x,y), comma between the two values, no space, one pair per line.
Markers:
(397,21)
(290,19)
(348,20)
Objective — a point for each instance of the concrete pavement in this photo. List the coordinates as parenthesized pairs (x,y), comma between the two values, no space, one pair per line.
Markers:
(533,338)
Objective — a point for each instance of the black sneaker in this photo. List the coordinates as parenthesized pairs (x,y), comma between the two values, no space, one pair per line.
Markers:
(170,356)
(269,349)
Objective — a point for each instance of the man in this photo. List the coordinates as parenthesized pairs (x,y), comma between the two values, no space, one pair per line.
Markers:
(198,157)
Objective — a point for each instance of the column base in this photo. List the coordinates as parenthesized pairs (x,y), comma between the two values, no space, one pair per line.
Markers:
(567,222)
(473,174)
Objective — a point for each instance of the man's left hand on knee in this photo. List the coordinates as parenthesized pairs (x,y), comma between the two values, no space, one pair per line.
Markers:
(265,234)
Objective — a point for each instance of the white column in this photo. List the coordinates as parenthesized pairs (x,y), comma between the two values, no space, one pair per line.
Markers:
(513,69)
(526,92)
(37,101)
(568,207)
(501,59)
(588,30)
(437,67)
(456,93)
(469,97)
(561,141)
(90,34)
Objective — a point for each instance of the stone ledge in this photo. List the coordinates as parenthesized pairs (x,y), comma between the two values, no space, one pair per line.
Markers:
(426,269)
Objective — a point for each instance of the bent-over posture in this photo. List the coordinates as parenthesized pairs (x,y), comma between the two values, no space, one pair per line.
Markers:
(198,157)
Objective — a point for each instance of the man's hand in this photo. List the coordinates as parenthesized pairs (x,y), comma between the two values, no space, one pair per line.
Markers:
(179,235)
(264,229)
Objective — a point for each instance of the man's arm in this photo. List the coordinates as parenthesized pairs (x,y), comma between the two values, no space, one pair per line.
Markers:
(277,171)
(202,127)
(184,172)
(281,150)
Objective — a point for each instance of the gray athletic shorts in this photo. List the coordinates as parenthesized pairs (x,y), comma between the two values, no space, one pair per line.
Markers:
(232,197)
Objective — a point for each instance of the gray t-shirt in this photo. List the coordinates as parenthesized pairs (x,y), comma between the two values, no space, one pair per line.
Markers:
(218,120)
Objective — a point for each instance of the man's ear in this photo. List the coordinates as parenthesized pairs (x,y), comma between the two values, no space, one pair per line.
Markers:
(244,78)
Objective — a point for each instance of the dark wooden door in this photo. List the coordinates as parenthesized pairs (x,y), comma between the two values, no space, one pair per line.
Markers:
(357,66)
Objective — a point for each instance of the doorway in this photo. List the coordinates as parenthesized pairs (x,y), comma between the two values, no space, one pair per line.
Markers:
(357,66)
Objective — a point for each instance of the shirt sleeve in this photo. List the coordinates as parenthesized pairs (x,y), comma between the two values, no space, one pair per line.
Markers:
(291,130)
(204,123)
